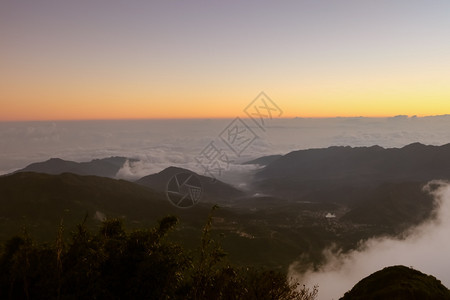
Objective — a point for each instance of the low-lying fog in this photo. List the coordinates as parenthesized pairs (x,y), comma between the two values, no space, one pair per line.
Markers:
(425,247)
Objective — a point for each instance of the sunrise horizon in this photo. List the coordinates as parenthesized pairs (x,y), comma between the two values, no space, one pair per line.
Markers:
(224,118)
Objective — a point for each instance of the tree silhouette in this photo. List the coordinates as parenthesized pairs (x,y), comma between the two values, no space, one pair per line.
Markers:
(142,264)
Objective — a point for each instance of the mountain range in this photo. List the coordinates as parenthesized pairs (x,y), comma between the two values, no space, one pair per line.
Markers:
(106,167)
(214,190)
(355,167)
(299,203)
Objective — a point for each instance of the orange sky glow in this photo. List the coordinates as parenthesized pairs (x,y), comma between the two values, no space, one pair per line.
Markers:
(67,61)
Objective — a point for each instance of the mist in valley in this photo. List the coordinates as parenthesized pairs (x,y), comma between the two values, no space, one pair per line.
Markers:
(425,247)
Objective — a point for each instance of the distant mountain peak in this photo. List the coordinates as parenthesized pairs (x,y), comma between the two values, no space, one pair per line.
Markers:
(56,159)
(415,146)
(214,190)
(171,169)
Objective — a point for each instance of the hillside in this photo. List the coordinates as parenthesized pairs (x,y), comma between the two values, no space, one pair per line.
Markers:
(372,185)
(106,167)
(214,191)
(393,206)
(41,201)
(398,282)
(306,171)
(272,235)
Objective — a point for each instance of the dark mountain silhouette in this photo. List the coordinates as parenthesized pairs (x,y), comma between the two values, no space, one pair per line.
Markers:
(106,167)
(364,164)
(214,190)
(398,282)
(337,168)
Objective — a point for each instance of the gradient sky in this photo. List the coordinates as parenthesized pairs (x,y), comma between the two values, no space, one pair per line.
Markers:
(187,59)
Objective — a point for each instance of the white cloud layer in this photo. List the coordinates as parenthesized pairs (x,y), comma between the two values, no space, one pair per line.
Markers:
(425,248)
(162,143)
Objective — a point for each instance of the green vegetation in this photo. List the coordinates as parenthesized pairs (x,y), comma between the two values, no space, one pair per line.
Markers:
(258,231)
(40,201)
(141,264)
(398,282)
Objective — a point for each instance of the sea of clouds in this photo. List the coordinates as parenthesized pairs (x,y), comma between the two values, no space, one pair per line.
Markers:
(158,144)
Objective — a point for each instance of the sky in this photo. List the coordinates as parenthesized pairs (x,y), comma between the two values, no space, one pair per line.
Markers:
(76,60)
